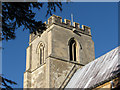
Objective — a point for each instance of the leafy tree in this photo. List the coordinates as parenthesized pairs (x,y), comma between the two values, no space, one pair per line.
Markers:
(16,14)
(4,80)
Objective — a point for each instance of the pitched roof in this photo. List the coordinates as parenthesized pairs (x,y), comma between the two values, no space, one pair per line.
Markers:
(97,71)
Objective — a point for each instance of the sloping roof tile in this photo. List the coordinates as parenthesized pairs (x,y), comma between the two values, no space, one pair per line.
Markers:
(96,71)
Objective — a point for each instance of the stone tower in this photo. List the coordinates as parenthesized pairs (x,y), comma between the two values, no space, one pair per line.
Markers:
(54,56)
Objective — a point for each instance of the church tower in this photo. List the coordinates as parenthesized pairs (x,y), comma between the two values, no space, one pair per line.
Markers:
(54,56)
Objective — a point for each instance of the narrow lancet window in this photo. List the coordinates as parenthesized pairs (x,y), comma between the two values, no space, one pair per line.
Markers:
(72,49)
(41,53)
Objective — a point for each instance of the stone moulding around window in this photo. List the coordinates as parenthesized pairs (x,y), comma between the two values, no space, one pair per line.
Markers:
(74,48)
(40,53)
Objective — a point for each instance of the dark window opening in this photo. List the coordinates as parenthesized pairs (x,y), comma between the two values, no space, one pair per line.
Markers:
(72,48)
(40,55)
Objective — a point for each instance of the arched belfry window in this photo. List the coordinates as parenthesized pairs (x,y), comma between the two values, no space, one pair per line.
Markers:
(72,49)
(40,52)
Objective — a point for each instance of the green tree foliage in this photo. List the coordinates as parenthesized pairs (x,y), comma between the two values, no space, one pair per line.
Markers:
(16,14)
(5,81)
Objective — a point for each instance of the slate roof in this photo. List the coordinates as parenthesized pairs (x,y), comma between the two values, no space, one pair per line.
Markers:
(97,71)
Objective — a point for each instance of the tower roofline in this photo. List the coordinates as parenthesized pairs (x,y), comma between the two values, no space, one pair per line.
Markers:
(67,23)
(57,20)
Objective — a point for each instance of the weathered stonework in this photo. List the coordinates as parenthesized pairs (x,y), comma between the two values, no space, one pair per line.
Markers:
(57,68)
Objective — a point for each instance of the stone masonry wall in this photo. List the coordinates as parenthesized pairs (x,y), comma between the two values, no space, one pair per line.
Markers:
(57,66)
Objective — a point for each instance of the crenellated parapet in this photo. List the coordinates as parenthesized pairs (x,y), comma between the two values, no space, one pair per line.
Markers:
(66,24)
(54,19)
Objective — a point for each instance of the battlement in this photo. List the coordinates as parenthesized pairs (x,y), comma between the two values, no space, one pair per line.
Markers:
(66,24)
